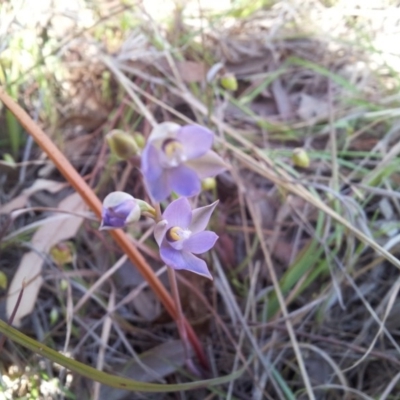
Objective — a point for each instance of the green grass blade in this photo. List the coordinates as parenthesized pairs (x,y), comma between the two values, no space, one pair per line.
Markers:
(103,377)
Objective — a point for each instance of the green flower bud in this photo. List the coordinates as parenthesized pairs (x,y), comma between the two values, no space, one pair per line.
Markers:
(54,315)
(300,158)
(139,139)
(3,280)
(208,183)
(63,285)
(122,144)
(229,82)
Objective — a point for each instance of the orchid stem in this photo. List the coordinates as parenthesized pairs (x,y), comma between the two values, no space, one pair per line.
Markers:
(180,320)
(175,295)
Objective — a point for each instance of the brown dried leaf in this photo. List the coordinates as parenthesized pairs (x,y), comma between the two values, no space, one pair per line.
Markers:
(311,109)
(21,200)
(146,305)
(158,362)
(52,232)
(189,71)
(282,99)
(192,71)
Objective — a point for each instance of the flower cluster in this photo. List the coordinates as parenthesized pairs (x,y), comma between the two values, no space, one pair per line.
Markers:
(174,160)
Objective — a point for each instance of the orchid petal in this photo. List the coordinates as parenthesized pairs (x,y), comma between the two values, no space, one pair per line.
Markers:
(201,217)
(195,139)
(208,165)
(184,181)
(200,242)
(160,231)
(159,189)
(164,131)
(150,163)
(114,199)
(178,213)
(184,260)
(156,178)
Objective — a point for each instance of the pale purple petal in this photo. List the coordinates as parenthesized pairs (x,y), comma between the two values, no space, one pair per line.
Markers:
(156,178)
(160,230)
(201,216)
(163,131)
(172,258)
(200,242)
(208,165)
(195,139)
(159,189)
(184,181)
(196,265)
(184,260)
(150,163)
(178,213)
(109,222)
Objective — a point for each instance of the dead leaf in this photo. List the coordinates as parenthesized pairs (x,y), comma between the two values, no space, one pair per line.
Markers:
(21,200)
(146,305)
(189,71)
(156,363)
(311,109)
(282,99)
(29,270)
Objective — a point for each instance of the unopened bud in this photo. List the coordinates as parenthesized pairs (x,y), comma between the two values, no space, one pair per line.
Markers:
(229,82)
(54,315)
(64,285)
(122,144)
(119,210)
(62,253)
(300,158)
(209,184)
(3,280)
(139,139)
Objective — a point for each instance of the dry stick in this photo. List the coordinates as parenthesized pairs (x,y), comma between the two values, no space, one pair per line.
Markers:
(87,194)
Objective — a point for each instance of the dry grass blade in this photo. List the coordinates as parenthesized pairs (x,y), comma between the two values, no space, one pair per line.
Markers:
(105,335)
(256,218)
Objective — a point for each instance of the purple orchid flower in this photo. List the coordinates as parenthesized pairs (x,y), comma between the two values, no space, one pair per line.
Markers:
(176,159)
(181,234)
(119,210)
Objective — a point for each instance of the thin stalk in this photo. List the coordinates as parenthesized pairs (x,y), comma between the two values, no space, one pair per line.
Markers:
(178,306)
(180,321)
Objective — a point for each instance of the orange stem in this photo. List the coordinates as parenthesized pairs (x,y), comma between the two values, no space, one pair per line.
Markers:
(90,198)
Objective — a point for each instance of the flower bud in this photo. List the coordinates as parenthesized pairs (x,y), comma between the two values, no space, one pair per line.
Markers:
(229,82)
(119,210)
(139,139)
(63,253)
(122,144)
(3,280)
(300,158)
(54,315)
(209,184)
